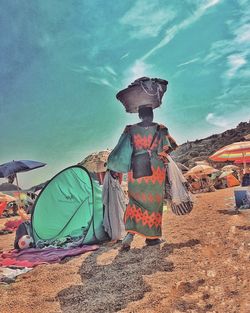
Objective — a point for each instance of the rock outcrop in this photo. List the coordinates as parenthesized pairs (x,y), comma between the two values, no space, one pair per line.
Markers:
(200,149)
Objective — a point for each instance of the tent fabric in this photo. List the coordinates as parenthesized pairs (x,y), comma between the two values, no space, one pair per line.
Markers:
(232,181)
(70,205)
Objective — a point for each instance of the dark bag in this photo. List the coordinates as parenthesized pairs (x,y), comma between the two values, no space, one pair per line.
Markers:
(141,162)
(141,165)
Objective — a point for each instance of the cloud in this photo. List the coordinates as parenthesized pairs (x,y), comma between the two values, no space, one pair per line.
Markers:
(216,120)
(228,118)
(101,81)
(80,69)
(124,56)
(174,30)
(110,70)
(188,62)
(235,62)
(243,34)
(137,70)
(146,18)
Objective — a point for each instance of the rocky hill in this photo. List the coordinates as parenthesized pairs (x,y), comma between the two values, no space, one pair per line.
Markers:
(200,149)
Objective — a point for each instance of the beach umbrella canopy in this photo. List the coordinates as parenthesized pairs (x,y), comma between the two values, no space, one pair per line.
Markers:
(201,169)
(230,167)
(241,161)
(225,174)
(8,187)
(6,198)
(14,167)
(235,151)
(96,162)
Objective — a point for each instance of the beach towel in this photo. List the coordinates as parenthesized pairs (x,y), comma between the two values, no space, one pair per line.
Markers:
(33,257)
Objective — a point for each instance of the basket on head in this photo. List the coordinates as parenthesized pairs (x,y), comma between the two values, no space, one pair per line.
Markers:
(143,91)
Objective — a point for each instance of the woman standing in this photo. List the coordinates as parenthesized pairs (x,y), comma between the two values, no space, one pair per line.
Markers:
(143,215)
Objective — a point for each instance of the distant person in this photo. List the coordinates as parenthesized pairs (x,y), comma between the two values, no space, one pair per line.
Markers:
(246,178)
(11,179)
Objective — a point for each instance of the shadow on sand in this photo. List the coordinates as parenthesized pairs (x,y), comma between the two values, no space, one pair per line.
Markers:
(109,288)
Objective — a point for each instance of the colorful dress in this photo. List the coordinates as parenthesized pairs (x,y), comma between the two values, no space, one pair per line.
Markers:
(143,214)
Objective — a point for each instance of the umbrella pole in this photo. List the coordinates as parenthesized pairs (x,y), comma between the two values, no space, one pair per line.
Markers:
(244,163)
(18,189)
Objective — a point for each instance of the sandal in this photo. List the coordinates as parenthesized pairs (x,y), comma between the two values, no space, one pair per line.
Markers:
(153,242)
(125,248)
(126,242)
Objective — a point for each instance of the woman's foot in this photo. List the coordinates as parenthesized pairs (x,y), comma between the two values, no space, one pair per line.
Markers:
(126,242)
(153,242)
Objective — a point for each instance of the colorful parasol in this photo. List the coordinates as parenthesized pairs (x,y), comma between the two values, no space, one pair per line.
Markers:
(225,174)
(240,161)
(200,170)
(235,151)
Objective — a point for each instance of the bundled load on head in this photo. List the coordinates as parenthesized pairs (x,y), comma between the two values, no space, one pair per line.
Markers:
(143,91)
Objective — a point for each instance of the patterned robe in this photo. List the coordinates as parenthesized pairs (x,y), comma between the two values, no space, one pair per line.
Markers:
(143,214)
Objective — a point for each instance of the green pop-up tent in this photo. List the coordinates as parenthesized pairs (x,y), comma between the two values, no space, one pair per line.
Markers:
(70,205)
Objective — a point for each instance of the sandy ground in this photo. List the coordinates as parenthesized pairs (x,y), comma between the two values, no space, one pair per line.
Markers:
(202,267)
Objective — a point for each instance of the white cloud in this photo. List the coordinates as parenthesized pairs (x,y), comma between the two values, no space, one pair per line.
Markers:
(236,50)
(229,118)
(80,69)
(188,62)
(243,34)
(101,81)
(216,120)
(171,33)
(110,70)
(146,18)
(137,70)
(124,56)
(235,61)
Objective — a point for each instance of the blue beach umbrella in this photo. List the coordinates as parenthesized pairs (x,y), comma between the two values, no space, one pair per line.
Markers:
(14,167)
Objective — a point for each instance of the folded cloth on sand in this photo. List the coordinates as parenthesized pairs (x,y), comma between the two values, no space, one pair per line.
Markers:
(33,257)
(8,275)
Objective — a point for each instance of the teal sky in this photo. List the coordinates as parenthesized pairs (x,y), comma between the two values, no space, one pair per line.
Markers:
(62,63)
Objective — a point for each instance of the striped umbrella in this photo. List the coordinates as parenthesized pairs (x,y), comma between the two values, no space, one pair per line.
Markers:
(235,151)
(240,161)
